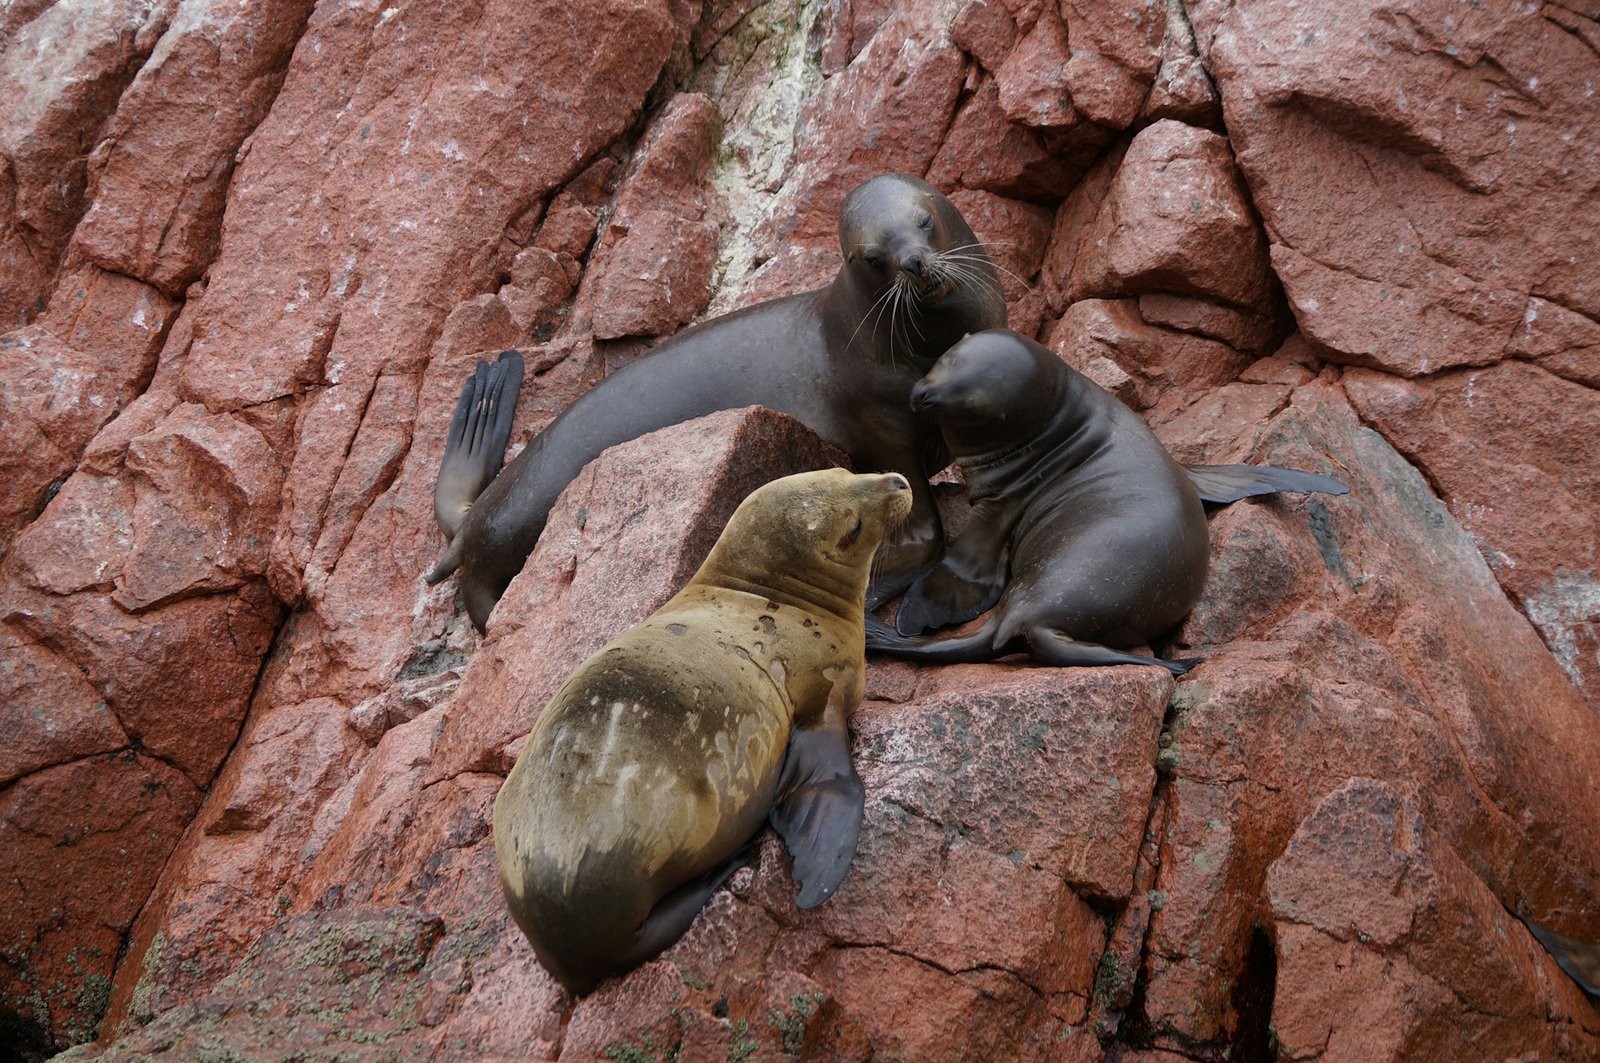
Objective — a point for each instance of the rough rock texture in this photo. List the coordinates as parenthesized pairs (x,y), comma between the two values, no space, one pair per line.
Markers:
(249,253)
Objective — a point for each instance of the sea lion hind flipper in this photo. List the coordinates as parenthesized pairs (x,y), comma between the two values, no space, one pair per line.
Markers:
(479,431)
(1052,647)
(818,810)
(1219,485)
(1581,961)
(448,562)
(670,918)
(964,649)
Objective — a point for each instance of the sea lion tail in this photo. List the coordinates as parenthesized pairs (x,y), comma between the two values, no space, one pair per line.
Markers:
(479,431)
(964,649)
(1580,960)
(1221,484)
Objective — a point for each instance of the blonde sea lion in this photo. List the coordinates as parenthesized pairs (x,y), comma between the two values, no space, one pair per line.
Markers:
(654,765)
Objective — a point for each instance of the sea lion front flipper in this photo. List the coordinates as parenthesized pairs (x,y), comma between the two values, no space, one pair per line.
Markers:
(968,580)
(1220,484)
(479,431)
(1581,961)
(818,810)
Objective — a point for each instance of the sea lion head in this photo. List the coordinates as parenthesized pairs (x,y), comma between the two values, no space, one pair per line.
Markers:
(899,231)
(994,379)
(819,529)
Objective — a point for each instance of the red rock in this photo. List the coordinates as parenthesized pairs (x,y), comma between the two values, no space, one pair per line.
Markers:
(48,713)
(1164,371)
(886,112)
(651,273)
(1221,427)
(1115,55)
(422,207)
(1032,81)
(159,178)
(1360,683)
(983,150)
(1074,226)
(1515,453)
(1412,228)
(345,982)
(177,677)
(66,376)
(985,31)
(1389,947)
(206,490)
(62,73)
(1014,235)
(657,276)
(1245,331)
(1175,219)
(85,842)
(1182,88)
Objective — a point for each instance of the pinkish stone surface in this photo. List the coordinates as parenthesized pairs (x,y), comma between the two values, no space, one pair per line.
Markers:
(1389,947)
(247,257)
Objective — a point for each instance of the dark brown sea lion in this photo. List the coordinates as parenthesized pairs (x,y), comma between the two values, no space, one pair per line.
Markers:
(1579,959)
(654,765)
(1102,532)
(841,359)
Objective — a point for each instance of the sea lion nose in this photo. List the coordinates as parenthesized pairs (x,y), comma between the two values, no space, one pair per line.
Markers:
(913,264)
(898,482)
(921,398)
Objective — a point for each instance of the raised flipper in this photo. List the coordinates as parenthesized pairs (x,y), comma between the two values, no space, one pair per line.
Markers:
(1579,959)
(1221,484)
(1052,647)
(967,581)
(818,810)
(477,441)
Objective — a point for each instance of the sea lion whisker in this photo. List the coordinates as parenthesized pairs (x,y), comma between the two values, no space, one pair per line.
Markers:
(970,262)
(877,305)
(973,278)
(913,308)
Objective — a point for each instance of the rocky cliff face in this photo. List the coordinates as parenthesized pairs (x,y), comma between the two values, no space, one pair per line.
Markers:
(250,252)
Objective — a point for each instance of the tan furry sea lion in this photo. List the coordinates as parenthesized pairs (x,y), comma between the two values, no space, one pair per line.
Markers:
(841,359)
(654,765)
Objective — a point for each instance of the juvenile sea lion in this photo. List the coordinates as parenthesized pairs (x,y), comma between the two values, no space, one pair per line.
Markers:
(841,359)
(654,765)
(1103,533)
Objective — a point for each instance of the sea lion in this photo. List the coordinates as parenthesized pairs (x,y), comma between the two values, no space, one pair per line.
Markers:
(1579,959)
(652,768)
(841,359)
(1103,533)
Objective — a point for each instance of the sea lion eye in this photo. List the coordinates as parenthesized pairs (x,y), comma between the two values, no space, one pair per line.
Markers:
(872,256)
(852,535)
(926,223)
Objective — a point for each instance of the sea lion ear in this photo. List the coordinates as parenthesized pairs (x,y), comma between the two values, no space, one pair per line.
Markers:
(818,810)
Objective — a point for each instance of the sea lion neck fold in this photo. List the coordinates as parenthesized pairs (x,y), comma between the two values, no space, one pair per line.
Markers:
(805,548)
